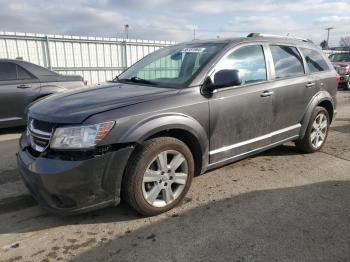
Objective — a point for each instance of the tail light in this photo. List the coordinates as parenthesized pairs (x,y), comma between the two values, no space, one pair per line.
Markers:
(337,78)
(348,72)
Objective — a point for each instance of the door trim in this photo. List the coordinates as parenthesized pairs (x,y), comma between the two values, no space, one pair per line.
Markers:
(251,152)
(250,141)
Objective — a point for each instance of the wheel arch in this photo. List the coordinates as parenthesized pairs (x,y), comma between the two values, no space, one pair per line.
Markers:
(323,99)
(191,142)
(179,126)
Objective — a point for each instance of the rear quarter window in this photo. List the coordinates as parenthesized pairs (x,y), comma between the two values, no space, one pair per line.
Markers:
(7,71)
(22,74)
(287,61)
(314,60)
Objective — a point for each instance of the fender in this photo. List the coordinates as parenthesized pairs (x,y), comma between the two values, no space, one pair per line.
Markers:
(316,100)
(167,121)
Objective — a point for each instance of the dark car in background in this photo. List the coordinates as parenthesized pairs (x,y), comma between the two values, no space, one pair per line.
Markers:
(176,113)
(22,83)
(341,62)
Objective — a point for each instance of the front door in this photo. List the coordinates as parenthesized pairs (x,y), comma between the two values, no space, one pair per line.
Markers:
(241,116)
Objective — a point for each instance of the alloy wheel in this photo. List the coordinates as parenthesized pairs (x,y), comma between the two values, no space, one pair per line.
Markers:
(319,130)
(165,178)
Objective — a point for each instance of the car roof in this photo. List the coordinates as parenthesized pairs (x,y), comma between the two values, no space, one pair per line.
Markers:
(34,69)
(259,38)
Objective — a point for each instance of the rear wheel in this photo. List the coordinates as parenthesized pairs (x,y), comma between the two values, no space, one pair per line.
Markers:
(316,132)
(347,85)
(158,175)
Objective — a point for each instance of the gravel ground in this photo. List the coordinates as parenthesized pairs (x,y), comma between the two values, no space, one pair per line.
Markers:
(280,205)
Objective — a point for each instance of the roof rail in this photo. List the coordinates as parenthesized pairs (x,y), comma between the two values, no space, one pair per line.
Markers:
(279,36)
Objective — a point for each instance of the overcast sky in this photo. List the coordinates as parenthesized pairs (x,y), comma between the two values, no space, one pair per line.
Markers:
(175,19)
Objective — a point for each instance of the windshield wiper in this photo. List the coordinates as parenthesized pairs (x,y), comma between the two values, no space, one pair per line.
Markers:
(136,79)
(116,79)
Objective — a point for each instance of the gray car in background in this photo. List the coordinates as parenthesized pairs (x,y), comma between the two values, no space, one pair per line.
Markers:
(22,83)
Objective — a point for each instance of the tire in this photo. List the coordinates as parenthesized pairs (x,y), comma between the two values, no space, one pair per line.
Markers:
(346,86)
(309,144)
(139,189)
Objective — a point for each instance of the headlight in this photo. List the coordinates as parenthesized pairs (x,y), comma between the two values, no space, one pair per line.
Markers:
(76,137)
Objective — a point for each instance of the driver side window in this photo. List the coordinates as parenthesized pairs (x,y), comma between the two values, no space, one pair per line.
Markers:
(249,61)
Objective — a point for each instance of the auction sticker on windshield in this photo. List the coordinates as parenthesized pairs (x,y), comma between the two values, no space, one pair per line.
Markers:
(193,50)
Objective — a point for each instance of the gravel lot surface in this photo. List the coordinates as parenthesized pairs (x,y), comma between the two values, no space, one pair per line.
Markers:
(280,205)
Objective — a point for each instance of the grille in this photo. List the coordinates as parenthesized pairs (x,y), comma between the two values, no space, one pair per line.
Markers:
(39,134)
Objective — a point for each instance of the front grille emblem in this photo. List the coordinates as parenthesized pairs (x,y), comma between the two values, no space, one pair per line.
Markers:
(39,139)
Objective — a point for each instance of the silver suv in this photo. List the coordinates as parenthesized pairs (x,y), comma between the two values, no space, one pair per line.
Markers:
(177,113)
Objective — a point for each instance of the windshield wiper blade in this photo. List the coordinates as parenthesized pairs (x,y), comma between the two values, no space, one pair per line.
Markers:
(116,79)
(139,80)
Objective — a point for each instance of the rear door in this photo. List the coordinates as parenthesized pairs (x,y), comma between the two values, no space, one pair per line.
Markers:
(17,89)
(319,70)
(241,116)
(292,91)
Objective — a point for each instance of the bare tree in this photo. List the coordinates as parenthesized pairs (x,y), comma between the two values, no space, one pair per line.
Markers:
(345,41)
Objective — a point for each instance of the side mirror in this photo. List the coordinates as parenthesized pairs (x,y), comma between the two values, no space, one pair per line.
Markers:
(226,78)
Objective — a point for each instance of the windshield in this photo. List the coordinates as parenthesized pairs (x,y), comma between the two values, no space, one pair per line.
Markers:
(173,66)
(343,57)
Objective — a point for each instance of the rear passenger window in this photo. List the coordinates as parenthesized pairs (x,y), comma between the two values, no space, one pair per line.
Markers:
(314,60)
(7,71)
(249,61)
(287,61)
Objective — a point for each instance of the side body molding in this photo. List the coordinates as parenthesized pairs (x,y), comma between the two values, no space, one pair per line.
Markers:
(316,100)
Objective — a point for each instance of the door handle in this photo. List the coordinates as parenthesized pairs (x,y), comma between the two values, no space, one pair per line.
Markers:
(310,84)
(23,86)
(266,93)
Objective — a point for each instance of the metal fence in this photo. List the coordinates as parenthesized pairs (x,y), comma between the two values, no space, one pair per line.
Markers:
(95,58)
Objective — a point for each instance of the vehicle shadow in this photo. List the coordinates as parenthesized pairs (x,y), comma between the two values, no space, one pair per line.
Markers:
(306,223)
(341,129)
(344,128)
(18,203)
(283,150)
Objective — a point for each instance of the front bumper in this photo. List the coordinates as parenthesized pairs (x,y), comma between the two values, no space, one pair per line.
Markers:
(71,187)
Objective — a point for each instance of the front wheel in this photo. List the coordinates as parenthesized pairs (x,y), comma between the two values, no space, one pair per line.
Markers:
(316,132)
(158,175)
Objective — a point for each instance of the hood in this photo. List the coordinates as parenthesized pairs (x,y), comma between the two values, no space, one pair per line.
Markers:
(73,107)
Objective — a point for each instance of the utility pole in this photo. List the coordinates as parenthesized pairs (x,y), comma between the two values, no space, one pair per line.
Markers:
(328,30)
(194,32)
(126,29)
